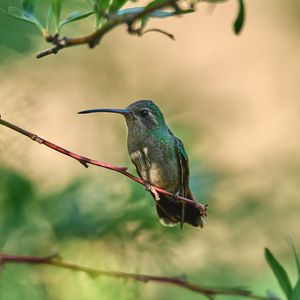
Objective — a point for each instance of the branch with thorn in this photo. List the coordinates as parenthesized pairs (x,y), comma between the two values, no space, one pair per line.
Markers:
(86,161)
(113,20)
(180,282)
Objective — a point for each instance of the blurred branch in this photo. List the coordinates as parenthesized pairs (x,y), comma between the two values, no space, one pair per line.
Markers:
(180,282)
(108,15)
(113,21)
(86,161)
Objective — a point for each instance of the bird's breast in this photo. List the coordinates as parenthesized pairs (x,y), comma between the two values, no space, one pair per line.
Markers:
(154,166)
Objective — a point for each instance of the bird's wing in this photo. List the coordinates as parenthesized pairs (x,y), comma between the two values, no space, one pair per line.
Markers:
(183,161)
(190,214)
(184,173)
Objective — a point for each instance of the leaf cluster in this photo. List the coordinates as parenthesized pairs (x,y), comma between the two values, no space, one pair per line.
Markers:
(55,20)
(52,23)
(291,292)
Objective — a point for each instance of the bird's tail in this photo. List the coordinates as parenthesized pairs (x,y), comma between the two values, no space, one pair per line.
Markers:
(170,211)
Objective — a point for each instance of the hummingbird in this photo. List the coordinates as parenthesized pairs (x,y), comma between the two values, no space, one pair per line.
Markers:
(160,160)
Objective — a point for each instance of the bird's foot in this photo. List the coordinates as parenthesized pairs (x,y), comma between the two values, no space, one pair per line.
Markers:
(202,208)
(150,188)
(175,197)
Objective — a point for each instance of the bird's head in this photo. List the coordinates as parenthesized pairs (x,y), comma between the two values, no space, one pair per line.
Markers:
(139,115)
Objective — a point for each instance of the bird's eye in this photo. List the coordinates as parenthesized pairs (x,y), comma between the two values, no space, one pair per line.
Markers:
(144,112)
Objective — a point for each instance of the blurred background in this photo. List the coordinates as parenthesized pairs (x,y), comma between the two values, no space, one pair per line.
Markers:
(233,100)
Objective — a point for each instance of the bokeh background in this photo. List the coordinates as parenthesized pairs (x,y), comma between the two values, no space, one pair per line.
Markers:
(233,100)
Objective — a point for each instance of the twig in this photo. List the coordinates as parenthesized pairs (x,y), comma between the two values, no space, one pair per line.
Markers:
(181,282)
(85,161)
(113,21)
(170,35)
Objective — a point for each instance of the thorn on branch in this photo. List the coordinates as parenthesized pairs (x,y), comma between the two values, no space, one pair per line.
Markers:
(176,7)
(35,138)
(55,256)
(183,277)
(84,163)
(130,28)
(53,50)
(93,42)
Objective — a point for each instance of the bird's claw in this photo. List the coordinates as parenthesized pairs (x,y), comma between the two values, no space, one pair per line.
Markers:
(150,188)
(203,209)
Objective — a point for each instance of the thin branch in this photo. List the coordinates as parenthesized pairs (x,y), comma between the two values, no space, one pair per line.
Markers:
(85,161)
(169,35)
(181,282)
(113,21)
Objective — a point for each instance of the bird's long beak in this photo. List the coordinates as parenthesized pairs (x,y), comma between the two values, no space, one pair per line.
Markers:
(123,112)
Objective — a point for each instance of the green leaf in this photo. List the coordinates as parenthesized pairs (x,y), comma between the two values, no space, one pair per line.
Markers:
(240,19)
(279,273)
(56,9)
(101,8)
(91,3)
(117,4)
(154,2)
(49,17)
(102,5)
(24,16)
(295,254)
(74,16)
(125,11)
(28,5)
(155,14)
(296,291)
(144,21)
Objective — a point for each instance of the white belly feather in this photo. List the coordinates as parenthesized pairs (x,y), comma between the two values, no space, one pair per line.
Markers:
(156,170)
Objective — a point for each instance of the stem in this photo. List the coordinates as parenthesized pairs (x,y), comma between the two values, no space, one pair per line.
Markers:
(54,260)
(113,21)
(85,161)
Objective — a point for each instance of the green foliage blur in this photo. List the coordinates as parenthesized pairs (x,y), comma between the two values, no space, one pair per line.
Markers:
(84,220)
(291,292)
(21,43)
(87,221)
